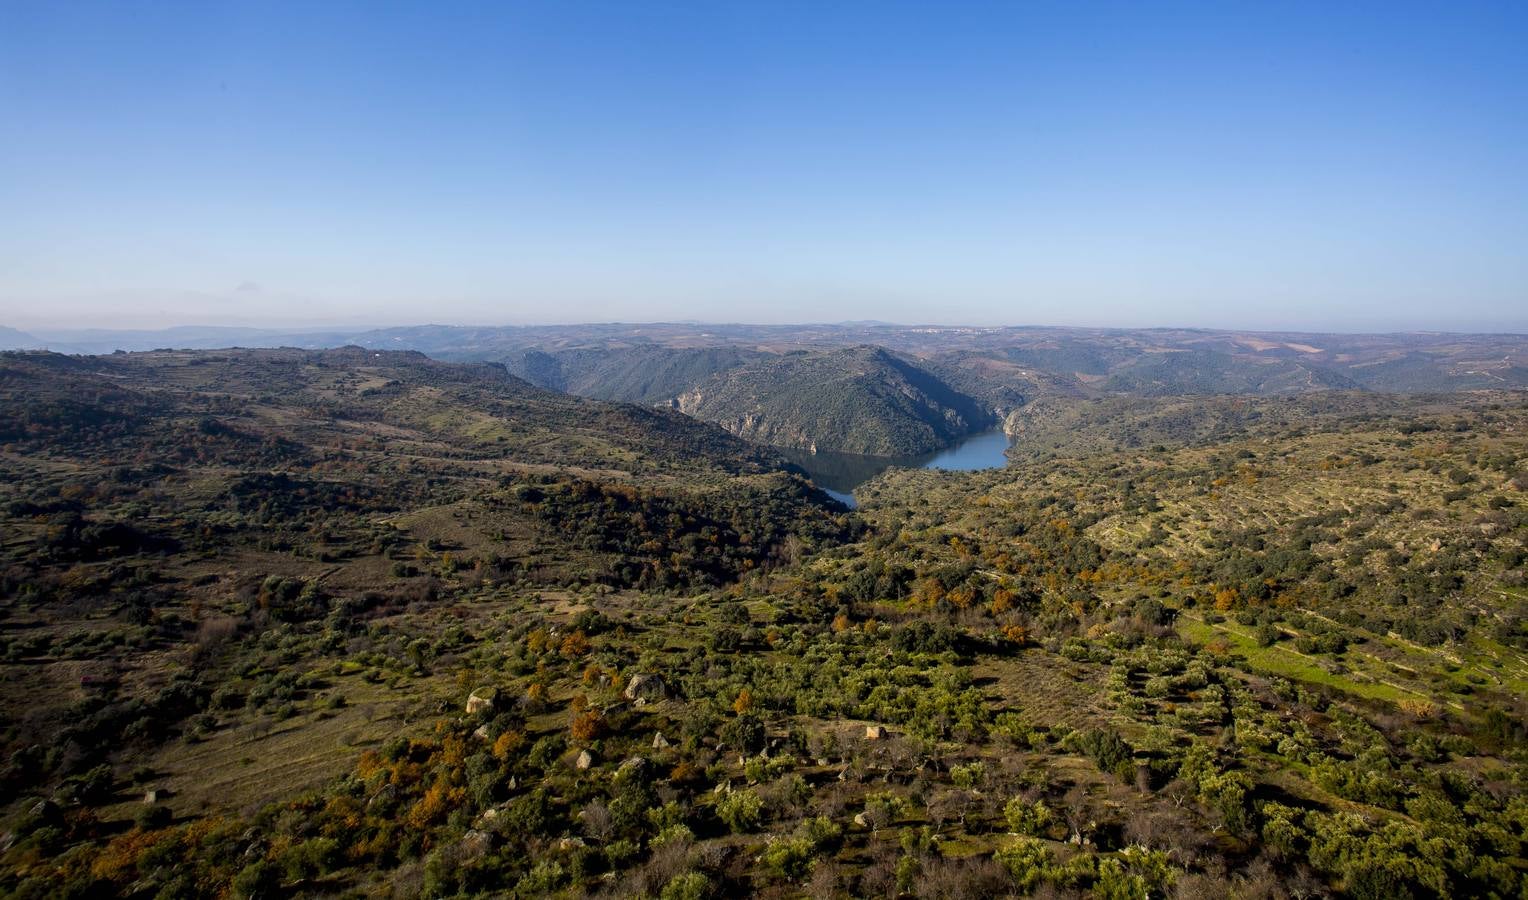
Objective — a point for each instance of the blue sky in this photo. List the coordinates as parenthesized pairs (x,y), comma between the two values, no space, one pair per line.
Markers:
(1350,166)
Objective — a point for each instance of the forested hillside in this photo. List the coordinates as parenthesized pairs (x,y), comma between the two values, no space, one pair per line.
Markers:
(859,400)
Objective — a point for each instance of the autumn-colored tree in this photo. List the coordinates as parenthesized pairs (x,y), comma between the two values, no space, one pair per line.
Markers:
(744,701)
(507,743)
(575,645)
(587,726)
(439,800)
(841,622)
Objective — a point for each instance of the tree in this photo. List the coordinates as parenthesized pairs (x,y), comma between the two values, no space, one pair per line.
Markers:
(1027,818)
(1026,860)
(740,810)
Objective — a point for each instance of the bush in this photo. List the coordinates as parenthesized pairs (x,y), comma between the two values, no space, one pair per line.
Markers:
(1027,818)
(788,857)
(686,886)
(154,816)
(740,810)
(1104,746)
(1026,861)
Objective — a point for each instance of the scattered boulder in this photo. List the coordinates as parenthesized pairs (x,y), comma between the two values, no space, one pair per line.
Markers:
(646,688)
(481,732)
(387,795)
(476,843)
(875,732)
(660,742)
(584,760)
(150,797)
(633,765)
(483,700)
(861,821)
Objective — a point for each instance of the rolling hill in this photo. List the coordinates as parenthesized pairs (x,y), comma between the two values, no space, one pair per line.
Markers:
(855,400)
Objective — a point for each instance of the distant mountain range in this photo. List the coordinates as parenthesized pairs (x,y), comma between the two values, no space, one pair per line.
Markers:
(11,339)
(883,389)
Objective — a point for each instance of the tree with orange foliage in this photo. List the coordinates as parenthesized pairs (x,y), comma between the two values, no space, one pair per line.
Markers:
(575,645)
(506,744)
(439,800)
(744,701)
(587,726)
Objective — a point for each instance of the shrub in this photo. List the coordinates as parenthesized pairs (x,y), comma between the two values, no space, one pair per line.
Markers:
(1026,861)
(686,886)
(788,857)
(740,810)
(1027,818)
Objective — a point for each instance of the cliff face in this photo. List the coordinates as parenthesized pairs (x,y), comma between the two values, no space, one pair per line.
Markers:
(855,400)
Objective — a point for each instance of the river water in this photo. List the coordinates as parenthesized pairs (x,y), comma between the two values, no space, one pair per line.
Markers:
(840,473)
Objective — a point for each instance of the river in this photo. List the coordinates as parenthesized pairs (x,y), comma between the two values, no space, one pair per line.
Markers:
(840,473)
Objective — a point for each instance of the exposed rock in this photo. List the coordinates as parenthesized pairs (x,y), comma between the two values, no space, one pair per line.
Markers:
(151,797)
(875,732)
(476,843)
(646,687)
(482,701)
(861,821)
(584,760)
(660,742)
(481,732)
(386,795)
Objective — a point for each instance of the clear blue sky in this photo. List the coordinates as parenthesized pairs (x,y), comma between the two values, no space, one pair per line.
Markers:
(1347,165)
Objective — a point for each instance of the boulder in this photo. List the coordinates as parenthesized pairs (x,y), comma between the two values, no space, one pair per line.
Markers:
(476,844)
(646,687)
(875,732)
(660,742)
(584,760)
(482,701)
(386,795)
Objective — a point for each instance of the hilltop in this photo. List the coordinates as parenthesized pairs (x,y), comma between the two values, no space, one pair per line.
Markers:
(857,400)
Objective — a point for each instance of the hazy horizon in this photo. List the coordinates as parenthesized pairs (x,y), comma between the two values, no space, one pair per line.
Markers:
(359,327)
(1361,168)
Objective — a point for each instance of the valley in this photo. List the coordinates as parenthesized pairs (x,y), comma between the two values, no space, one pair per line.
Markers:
(353,622)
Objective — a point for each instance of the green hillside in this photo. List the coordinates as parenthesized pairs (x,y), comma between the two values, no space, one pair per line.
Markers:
(857,400)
